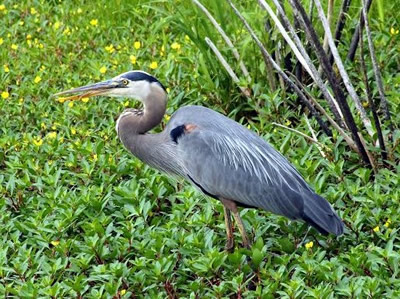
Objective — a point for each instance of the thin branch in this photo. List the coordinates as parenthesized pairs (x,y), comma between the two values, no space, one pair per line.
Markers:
(377,72)
(315,138)
(279,62)
(301,52)
(329,19)
(356,36)
(313,38)
(341,20)
(370,156)
(226,39)
(340,24)
(319,144)
(291,84)
(311,10)
(285,35)
(342,133)
(371,102)
(342,70)
(227,67)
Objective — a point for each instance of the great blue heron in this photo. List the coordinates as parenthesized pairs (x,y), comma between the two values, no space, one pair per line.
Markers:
(219,156)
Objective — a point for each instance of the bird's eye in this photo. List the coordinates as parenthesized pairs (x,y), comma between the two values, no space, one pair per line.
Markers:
(125,82)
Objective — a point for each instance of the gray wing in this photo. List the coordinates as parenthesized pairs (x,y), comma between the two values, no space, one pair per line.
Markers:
(248,171)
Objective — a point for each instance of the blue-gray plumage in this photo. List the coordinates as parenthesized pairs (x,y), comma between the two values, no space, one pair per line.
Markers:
(222,158)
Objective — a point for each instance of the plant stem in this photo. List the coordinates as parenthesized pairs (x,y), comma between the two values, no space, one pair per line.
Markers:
(356,35)
(291,84)
(313,38)
(345,77)
(340,24)
(306,61)
(226,39)
(227,67)
(377,72)
(371,102)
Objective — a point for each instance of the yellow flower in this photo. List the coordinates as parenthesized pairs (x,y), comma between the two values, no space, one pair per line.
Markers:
(168,90)
(123,292)
(14,46)
(52,135)
(79,10)
(55,243)
(6,69)
(187,38)
(5,94)
(126,104)
(137,45)
(73,131)
(38,141)
(153,65)
(85,99)
(2,7)
(94,157)
(33,11)
(133,59)
(376,229)
(29,36)
(71,104)
(110,48)
(37,79)
(103,69)
(21,100)
(167,117)
(309,245)
(1,41)
(21,23)
(67,31)
(94,22)
(175,46)
(56,25)
(394,31)
(387,223)
(42,68)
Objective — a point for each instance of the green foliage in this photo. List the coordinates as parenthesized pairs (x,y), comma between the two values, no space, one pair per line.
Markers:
(80,217)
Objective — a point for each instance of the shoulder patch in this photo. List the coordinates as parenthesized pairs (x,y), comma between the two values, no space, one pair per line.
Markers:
(177,132)
(180,130)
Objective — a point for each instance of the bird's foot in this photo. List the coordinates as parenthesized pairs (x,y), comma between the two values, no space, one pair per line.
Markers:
(230,245)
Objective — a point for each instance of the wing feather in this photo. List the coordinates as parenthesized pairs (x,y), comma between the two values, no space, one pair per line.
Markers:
(248,171)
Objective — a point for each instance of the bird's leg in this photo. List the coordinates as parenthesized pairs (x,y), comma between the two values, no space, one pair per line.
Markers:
(230,243)
(242,230)
(231,206)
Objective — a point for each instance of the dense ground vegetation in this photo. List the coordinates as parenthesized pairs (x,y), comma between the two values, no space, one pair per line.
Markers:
(80,217)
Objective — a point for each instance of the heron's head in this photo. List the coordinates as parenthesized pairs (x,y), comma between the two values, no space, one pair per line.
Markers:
(133,84)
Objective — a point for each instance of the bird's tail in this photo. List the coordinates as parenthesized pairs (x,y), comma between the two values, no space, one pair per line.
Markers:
(319,213)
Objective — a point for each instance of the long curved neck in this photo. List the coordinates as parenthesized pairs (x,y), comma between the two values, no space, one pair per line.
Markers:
(151,116)
(133,125)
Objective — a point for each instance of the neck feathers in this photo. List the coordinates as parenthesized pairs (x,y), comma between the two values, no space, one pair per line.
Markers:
(140,121)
